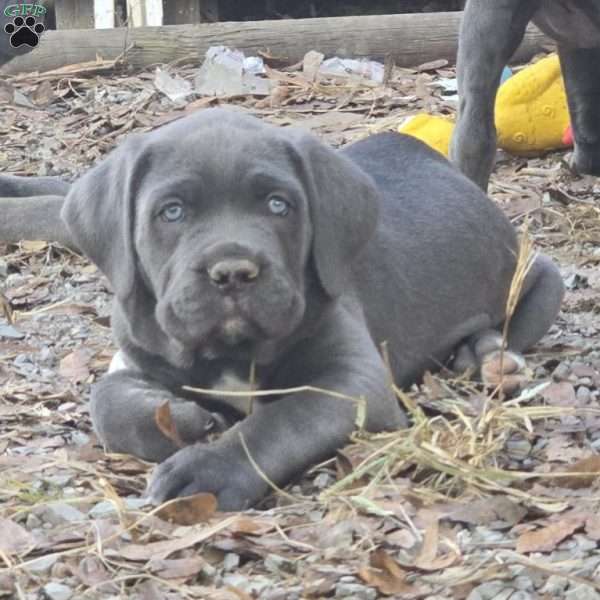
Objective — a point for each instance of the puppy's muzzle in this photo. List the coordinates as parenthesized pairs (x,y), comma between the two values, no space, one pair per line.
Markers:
(233,273)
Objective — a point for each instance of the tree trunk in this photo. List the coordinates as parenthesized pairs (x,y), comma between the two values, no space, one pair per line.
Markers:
(411,39)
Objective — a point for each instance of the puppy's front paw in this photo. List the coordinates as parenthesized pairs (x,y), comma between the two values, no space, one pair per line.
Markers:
(505,369)
(221,470)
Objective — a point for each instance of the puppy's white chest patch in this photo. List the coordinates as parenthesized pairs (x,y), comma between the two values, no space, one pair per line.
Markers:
(231,382)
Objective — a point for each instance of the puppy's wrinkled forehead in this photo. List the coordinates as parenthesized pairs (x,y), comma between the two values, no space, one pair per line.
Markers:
(221,149)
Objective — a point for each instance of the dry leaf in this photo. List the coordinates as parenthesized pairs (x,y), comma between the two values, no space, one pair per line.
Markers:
(590,466)
(163,549)
(592,527)
(189,510)
(547,538)
(249,526)
(33,245)
(164,422)
(385,574)
(486,510)
(561,393)
(74,366)
(427,559)
(432,65)
(177,568)
(15,539)
(311,63)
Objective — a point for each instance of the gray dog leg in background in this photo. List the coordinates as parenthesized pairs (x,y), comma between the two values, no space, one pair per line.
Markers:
(123,407)
(30,209)
(34,218)
(581,73)
(12,185)
(490,33)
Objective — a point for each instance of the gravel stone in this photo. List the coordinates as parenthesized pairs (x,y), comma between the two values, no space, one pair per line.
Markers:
(354,591)
(57,591)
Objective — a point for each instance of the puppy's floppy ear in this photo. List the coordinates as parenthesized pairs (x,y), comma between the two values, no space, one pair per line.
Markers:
(99,212)
(344,206)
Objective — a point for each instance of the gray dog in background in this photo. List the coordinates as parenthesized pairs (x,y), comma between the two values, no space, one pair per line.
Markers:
(234,246)
(490,33)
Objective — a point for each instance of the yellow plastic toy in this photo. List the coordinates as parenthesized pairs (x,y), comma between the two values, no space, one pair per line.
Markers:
(531,109)
(532,115)
(434,131)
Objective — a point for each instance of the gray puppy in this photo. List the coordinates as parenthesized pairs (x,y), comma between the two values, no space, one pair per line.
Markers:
(490,33)
(230,242)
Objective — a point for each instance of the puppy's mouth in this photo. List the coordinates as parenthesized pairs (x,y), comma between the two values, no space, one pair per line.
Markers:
(213,324)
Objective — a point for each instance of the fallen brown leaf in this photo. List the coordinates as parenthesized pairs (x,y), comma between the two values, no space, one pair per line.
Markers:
(385,574)
(177,568)
(561,393)
(164,421)
(249,526)
(486,510)
(74,366)
(189,510)
(15,539)
(163,549)
(428,559)
(588,467)
(547,538)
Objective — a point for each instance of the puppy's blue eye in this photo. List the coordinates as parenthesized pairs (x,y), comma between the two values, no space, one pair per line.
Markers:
(172,213)
(278,206)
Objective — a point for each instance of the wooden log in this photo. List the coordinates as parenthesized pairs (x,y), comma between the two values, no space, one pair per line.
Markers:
(411,39)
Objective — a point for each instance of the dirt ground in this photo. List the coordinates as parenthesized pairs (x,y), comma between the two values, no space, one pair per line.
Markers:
(480,500)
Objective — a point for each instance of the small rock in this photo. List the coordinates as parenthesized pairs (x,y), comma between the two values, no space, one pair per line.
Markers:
(277,564)
(255,586)
(584,544)
(562,372)
(231,561)
(521,595)
(33,522)
(583,394)
(106,508)
(555,586)
(42,564)
(8,331)
(522,583)
(78,438)
(491,590)
(57,591)
(354,591)
(323,480)
(60,480)
(58,513)
(582,592)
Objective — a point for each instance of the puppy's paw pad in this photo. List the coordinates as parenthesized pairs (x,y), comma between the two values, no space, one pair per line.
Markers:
(505,370)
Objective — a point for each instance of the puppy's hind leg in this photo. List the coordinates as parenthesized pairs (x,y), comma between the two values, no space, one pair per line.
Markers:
(482,354)
(538,306)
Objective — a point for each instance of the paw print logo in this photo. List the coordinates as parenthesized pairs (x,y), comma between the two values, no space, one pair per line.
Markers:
(24,32)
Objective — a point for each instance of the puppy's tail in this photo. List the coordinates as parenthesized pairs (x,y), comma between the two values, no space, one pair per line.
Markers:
(34,218)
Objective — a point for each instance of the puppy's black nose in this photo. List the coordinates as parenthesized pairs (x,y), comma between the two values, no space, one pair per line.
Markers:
(233,272)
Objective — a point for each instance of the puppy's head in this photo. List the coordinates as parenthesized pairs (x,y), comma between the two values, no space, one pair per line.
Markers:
(218,231)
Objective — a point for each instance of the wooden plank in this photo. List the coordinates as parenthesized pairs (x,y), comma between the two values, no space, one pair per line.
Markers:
(74,14)
(411,39)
